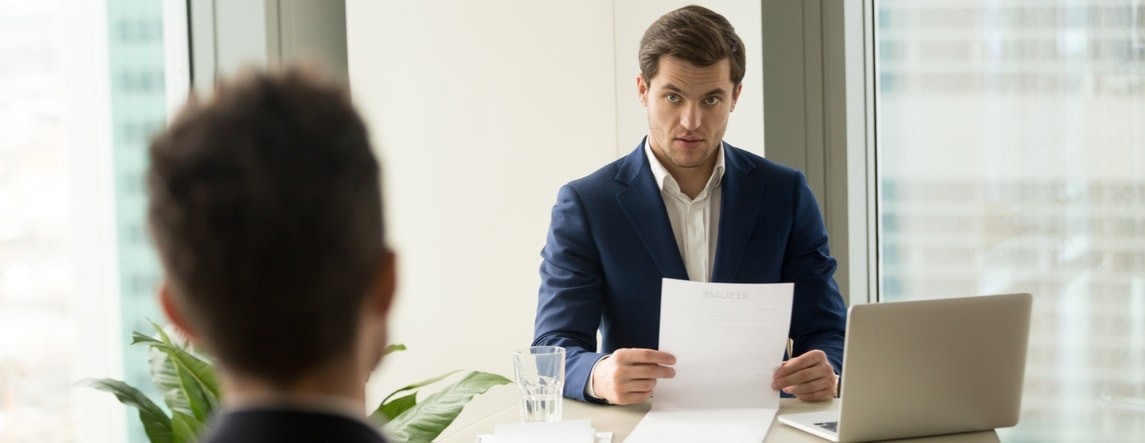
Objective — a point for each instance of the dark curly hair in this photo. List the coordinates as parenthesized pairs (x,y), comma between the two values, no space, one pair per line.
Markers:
(265,206)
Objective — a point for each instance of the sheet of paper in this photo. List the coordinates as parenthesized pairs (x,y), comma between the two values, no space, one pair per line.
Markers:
(722,425)
(728,340)
(601,437)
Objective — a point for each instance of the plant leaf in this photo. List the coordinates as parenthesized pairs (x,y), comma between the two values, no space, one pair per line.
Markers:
(190,375)
(163,338)
(184,428)
(166,378)
(426,420)
(387,411)
(138,337)
(202,370)
(428,381)
(189,384)
(155,422)
(393,348)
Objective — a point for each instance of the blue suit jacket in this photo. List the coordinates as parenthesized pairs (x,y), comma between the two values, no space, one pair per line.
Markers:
(610,243)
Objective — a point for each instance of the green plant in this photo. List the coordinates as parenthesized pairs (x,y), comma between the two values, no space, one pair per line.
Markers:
(190,390)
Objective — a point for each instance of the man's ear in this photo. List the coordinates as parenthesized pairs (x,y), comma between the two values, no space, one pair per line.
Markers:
(174,313)
(385,284)
(642,89)
(735,95)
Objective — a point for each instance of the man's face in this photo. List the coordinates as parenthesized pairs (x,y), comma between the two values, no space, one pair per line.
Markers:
(688,108)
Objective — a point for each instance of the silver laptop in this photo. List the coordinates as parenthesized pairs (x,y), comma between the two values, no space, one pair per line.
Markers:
(929,367)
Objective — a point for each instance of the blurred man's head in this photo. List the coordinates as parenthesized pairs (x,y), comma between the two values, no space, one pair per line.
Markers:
(266,210)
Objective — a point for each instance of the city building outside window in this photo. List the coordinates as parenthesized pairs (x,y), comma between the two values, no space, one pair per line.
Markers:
(1011,158)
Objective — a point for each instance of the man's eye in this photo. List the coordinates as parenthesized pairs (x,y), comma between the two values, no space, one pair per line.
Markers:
(711,100)
(672,98)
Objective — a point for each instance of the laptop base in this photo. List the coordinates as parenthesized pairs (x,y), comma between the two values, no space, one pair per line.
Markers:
(813,422)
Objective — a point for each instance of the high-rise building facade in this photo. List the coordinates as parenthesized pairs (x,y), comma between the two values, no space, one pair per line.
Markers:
(138,109)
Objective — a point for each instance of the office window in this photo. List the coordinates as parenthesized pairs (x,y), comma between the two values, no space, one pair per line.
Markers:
(1011,150)
(82,87)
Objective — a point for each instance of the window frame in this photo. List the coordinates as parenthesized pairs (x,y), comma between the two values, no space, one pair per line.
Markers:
(819,117)
(96,288)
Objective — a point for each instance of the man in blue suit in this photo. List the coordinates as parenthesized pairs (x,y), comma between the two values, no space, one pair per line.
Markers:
(683,205)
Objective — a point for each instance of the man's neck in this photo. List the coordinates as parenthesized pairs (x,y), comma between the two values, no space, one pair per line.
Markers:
(331,390)
(691,180)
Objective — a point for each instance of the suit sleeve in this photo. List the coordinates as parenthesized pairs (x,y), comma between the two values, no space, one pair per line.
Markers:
(570,300)
(818,313)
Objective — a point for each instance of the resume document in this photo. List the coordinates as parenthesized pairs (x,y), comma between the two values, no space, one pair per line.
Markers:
(728,340)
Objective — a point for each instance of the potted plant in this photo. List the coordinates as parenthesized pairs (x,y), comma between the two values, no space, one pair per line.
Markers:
(190,390)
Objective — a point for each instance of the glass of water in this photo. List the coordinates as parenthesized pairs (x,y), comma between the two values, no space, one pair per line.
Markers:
(540,373)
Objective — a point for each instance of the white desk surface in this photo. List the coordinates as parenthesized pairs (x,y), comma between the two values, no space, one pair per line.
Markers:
(499,405)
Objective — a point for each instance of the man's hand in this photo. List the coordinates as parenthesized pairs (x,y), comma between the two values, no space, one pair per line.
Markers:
(628,375)
(809,377)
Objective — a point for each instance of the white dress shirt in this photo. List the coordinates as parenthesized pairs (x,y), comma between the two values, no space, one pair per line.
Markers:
(695,222)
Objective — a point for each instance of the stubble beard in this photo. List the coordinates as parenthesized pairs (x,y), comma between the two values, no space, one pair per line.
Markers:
(701,162)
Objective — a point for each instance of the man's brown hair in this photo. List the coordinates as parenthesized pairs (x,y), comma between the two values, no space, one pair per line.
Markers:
(695,34)
(265,207)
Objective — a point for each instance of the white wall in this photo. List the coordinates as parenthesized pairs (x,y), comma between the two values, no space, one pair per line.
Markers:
(481,110)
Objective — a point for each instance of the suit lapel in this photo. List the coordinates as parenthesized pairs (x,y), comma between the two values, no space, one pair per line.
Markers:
(739,210)
(642,203)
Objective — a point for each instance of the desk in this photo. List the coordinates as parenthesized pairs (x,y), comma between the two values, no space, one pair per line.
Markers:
(499,405)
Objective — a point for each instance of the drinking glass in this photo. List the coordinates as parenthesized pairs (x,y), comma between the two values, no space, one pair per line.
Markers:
(540,376)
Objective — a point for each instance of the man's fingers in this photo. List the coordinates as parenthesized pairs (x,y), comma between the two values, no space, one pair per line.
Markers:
(634,356)
(644,371)
(637,364)
(809,386)
(809,377)
(633,398)
(820,395)
(796,364)
(633,391)
(806,375)
(638,386)
(818,390)
(628,376)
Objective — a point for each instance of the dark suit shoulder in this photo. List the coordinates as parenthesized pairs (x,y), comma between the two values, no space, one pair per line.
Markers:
(623,171)
(601,179)
(288,426)
(748,161)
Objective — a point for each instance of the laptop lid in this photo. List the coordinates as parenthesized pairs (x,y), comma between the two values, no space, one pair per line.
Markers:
(933,367)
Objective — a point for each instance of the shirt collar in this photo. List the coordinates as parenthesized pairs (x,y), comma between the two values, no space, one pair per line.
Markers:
(663,178)
(313,403)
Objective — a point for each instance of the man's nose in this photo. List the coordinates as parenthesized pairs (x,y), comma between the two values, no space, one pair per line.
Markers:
(691,117)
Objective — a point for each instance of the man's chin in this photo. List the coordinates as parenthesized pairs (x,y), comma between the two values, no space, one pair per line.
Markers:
(688,164)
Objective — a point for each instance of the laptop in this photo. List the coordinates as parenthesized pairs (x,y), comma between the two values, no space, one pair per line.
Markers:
(930,367)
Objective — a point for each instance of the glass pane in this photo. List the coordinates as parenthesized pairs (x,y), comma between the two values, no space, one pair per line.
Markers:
(42,190)
(34,230)
(1011,146)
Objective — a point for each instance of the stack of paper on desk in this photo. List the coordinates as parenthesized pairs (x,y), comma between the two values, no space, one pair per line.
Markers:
(566,431)
(728,340)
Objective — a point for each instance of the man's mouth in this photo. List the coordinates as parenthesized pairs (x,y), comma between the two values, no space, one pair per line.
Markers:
(689,140)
